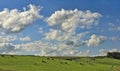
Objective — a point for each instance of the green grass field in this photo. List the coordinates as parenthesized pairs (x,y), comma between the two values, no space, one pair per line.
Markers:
(36,63)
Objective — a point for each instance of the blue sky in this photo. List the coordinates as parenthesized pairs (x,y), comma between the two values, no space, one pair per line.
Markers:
(59,28)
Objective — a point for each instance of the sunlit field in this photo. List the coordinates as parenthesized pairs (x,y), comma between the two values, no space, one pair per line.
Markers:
(36,63)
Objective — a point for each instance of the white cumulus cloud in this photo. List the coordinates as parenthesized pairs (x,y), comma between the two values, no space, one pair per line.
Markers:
(69,20)
(67,38)
(14,20)
(95,40)
(56,35)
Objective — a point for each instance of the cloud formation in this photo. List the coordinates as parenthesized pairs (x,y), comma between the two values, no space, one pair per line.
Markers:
(26,38)
(61,39)
(65,37)
(4,39)
(56,35)
(6,48)
(42,49)
(14,20)
(69,20)
(45,49)
(95,40)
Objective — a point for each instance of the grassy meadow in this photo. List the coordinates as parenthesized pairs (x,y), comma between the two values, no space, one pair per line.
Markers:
(36,63)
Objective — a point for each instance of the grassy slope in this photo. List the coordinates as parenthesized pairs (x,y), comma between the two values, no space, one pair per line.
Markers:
(32,63)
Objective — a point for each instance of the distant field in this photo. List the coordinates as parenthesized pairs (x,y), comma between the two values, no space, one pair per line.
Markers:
(36,63)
